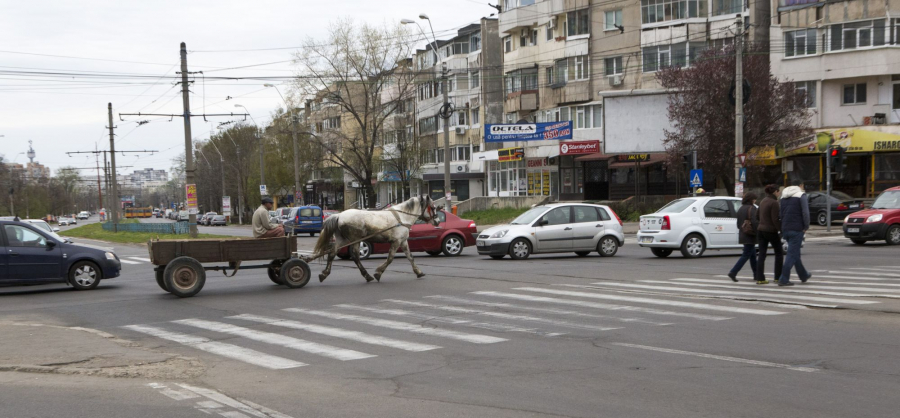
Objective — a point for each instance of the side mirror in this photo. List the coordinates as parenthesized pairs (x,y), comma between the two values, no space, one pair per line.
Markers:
(51,243)
(55,229)
(543,222)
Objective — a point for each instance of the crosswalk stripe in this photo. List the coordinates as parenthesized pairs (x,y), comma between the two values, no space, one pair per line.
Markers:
(863,273)
(717,357)
(806,289)
(856,284)
(492,326)
(147,260)
(124,261)
(403,326)
(324,350)
(231,351)
(339,333)
(598,305)
(543,310)
(755,295)
(827,276)
(889,270)
(500,315)
(692,305)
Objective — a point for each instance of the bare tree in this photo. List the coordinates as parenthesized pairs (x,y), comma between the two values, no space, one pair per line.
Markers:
(351,72)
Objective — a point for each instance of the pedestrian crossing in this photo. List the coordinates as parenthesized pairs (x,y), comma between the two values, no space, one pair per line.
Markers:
(295,337)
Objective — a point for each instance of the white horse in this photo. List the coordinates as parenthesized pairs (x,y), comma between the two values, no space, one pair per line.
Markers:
(387,226)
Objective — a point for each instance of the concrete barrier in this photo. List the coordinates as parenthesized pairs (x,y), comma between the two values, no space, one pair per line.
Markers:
(485,203)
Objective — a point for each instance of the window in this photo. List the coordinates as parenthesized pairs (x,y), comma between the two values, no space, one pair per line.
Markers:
(585,214)
(476,79)
(476,117)
(475,42)
(549,32)
(507,44)
(521,80)
(653,11)
(534,37)
(854,93)
(582,67)
(613,65)
(611,19)
(799,43)
(722,7)
(560,72)
(461,117)
(856,35)
(17,236)
(717,209)
(428,125)
(656,57)
(578,22)
(550,80)
(523,37)
(896,31)
(587,117)
(603,214)
(808,88)
(557,216)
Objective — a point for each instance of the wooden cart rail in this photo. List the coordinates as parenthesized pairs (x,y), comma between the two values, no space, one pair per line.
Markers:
(162,252)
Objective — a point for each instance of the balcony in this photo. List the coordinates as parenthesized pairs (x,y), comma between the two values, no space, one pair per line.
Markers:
(521,100)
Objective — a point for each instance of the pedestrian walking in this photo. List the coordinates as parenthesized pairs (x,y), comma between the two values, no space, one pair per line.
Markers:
(748,223)
(794,224)
(768,233)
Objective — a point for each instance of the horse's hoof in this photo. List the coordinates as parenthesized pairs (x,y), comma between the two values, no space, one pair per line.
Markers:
(420,275)
(369,278)
(322,278)
(378,277)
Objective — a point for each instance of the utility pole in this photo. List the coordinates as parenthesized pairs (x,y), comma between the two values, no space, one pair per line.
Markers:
(446,114)
(188,155)
(738,102)
(99,188)
(106,182)
(262,172)
(112,160)
(828,187)
(694,164)
(296,156)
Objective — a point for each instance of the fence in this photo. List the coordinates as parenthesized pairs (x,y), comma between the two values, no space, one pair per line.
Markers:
(156,228)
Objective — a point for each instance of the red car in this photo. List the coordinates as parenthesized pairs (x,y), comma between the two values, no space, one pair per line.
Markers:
(449,238)
(880,222)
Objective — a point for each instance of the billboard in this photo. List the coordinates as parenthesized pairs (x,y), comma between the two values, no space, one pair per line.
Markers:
(226,205)
(190,191)
(579,147)
(528,131)
(635,123)
(510,154)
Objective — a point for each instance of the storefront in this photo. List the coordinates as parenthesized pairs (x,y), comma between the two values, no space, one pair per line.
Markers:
(463,186)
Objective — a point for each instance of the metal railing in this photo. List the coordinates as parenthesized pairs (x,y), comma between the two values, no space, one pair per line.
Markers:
(156,228)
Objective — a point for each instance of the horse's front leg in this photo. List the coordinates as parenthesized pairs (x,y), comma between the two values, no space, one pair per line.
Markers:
(354,252)
(390,258)
(331,253)
(409,256)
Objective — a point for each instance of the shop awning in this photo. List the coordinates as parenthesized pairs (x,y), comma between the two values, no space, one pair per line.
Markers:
(597,156)
(654,159)
(453,176)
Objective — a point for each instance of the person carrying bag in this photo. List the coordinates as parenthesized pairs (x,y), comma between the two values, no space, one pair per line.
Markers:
(747,223)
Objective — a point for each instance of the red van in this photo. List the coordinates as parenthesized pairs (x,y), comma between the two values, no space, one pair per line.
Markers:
(880,222)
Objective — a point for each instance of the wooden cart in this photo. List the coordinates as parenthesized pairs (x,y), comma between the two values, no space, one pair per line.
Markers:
(179,270)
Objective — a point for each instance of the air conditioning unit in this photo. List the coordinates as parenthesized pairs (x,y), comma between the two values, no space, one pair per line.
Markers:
(615,80)
(552,23)
(460,130)
(461,168)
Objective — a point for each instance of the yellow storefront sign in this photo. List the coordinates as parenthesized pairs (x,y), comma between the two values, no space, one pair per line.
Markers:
(853,140)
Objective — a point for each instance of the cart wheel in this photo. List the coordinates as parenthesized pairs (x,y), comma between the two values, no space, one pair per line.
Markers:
(160,280)
(184,277)
(274,271)
(295,273)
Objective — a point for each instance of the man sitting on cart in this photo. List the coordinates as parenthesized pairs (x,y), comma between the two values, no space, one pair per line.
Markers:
(262,228)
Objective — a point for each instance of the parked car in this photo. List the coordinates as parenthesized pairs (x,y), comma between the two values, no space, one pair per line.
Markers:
(283,214)
(841,206)
(65,222)
(449,238)
(326,213)
(207,218)
(83,215)
(30,255)
(880,222)
(183,216)
(555,228)
(217,220)
(40,223)
(304,219)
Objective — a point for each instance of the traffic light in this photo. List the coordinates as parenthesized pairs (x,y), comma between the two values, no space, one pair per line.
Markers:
(837,159)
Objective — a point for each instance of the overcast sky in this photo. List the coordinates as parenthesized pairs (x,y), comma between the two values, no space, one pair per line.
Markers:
(69,114)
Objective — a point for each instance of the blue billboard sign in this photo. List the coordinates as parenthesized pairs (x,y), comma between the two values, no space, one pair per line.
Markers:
(528,131)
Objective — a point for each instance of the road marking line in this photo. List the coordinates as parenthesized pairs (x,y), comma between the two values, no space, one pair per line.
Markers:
(403,326)
(242,405)
(231,351)
(598,305)
(178,395)
(340,333)
(543,310)
(863,273)
(492,326)
(140,259)
(717,357)
(856,284)
(324,350)
(826,276)
(500,315)
(807,289)
(692,305)
(124,261)
(739,292)
(890,270)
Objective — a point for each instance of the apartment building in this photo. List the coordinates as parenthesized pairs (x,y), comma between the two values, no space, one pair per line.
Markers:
(399,151)
(474,60)
(844,55)
(326,188)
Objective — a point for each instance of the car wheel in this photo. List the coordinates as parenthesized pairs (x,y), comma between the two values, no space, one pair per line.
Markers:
(893,235)
(608,246)
(858,241)
(582,253)
(693,246)
(365,250)
(520,249)
(452,245)
(661,252)
(498,257)
(295,273)
(434,253)
(274,272)
(160,278)
(84,275)
(312,234)
(184,277)
(822,219)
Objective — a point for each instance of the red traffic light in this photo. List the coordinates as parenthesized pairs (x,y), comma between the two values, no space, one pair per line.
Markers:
(834,152)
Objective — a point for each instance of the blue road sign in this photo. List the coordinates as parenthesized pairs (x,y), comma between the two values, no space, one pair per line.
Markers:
(743,175)
(696,179)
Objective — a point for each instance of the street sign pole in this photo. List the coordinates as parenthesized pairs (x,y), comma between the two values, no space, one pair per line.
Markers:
(828,188)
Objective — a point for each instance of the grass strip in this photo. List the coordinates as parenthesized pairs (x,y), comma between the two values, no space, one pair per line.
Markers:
(95,231)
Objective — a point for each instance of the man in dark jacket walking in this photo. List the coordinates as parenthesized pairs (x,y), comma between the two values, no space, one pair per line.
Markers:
(794,223)
(768,233)
(747,212)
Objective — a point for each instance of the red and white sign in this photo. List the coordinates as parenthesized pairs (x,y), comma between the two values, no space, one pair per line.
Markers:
(579,147)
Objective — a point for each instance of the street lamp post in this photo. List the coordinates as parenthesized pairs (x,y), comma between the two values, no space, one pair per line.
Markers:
(222,164)
(262,174)
(296,143)
(240,201)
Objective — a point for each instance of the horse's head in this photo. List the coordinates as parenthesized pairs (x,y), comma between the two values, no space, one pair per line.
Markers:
(429,211)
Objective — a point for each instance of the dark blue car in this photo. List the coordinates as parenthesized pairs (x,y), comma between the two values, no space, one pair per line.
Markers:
(28,255)
(305,219)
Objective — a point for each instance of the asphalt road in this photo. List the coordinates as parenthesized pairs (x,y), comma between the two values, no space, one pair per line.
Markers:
(632,335)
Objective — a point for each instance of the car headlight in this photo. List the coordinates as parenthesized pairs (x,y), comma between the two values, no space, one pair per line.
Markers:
(499,234)
(110,256)
(846,218)
(874,218)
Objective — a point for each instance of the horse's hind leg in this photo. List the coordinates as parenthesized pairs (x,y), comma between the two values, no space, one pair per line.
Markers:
(354,252)
(409,256)
(390,258)
(331,253)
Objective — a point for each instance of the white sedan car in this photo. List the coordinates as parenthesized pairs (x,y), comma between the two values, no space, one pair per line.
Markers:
(692,225)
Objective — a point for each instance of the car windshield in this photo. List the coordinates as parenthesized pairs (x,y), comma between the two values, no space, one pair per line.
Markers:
(888,200)
(43,225)
(677,206)
(841,195)
(529,216)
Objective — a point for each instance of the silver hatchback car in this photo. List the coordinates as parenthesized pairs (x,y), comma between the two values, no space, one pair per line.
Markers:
(555,228)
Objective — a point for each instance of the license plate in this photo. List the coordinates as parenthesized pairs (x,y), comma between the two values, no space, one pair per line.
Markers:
(853,230)
(646,240)
(480,243)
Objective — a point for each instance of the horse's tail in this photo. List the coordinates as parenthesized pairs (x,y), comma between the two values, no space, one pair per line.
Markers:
(328,229)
